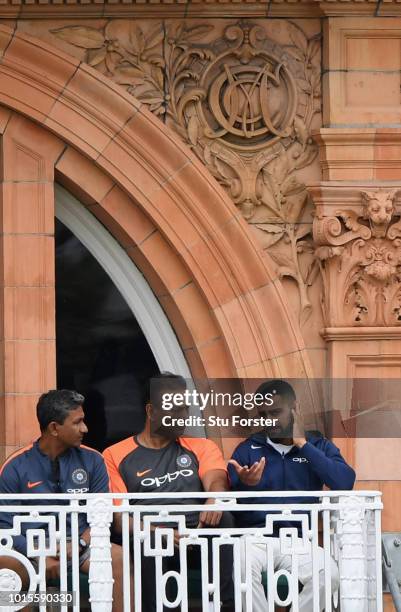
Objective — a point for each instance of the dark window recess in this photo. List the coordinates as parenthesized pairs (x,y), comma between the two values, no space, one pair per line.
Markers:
(101,350)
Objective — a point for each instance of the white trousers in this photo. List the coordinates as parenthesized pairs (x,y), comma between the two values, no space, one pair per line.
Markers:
(258,560)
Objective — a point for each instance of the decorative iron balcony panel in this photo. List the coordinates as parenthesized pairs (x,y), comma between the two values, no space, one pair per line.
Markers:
(347,524)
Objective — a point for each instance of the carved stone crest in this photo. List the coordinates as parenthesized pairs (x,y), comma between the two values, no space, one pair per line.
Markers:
(360,261)
(242,97)
(245,105)
(242,101)
(251,101)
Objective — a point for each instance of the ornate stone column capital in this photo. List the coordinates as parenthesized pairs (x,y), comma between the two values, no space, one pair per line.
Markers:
(357,233)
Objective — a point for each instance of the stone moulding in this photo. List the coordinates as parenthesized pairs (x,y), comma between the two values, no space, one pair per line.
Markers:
(346,334)
(195,8)
(359,153)
(357,233)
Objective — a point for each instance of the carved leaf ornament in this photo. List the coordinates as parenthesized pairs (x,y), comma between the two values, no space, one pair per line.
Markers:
(361,262)
(126,54)
(241,101)
(245,105)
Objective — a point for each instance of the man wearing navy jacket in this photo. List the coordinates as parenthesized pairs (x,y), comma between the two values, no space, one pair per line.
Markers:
(284,458)
(57,462)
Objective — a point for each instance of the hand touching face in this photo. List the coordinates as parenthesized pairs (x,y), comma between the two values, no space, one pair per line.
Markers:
(298,429)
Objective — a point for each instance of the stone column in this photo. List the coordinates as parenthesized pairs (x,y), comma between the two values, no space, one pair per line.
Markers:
(27,350)
(357,227)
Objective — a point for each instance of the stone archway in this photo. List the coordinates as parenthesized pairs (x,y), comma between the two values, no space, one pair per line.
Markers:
(173,219)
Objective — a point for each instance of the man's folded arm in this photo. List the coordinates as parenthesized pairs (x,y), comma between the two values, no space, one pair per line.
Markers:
(215,481)
(330,466)
(213,474)
(212,467)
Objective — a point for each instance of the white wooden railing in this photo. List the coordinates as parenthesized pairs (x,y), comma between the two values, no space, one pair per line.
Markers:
(350,533)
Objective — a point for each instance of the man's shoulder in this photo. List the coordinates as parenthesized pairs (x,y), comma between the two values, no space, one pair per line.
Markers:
(196,442)
(90,454)
(16,459)
(199,446)
(119,450)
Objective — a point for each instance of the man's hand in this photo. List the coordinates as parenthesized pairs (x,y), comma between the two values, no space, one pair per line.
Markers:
(176,538)
(211,518)
(298,430)
(52,568)
(249,476)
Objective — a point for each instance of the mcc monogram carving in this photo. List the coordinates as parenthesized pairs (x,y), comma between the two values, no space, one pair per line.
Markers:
(243,100)
(245,104)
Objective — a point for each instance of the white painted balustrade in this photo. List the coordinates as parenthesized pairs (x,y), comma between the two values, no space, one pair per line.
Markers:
(349,525)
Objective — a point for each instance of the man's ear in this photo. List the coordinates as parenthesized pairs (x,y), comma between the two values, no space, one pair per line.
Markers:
(149,411)
(52,428)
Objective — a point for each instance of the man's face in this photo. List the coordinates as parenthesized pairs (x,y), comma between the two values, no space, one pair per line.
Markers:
(281,409)
(157,412)
(72,431)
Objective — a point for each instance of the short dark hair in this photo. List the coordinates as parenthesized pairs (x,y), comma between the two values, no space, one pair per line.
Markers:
(277,387)
(162,383)
(55,406)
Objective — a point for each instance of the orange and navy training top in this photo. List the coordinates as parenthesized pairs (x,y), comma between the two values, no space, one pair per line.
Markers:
(177,468)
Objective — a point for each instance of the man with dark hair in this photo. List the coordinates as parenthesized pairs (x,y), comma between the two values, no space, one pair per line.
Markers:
(56,405)
(159,460)
(57,462)
(285,458)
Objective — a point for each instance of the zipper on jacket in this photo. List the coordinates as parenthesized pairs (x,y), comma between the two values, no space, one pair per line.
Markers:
(283,460)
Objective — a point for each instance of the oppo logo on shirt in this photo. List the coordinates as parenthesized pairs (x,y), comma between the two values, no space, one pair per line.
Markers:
(300,459)
(81,490)
(169,477)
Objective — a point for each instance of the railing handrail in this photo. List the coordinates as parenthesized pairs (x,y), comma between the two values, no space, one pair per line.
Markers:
(192,495)
(348,536)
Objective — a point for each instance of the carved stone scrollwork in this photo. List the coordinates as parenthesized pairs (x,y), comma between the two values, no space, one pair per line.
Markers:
(242,101)
(359,254)
(244,96)
(245,104)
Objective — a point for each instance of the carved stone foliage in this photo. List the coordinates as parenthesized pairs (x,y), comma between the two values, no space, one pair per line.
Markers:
(126,52)
(359,255)
(246,104)
(242,98)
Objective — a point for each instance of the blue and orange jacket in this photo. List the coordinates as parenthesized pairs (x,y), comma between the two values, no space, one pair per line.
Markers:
(29,470)
(317,463)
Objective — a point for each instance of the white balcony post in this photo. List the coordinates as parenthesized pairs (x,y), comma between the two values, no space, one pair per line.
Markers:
(100,516)
(352,554)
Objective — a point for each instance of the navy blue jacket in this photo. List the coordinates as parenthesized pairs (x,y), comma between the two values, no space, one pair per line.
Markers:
(81,470)
(317,463)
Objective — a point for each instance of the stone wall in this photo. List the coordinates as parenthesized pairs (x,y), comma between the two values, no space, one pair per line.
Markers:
(294,109)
